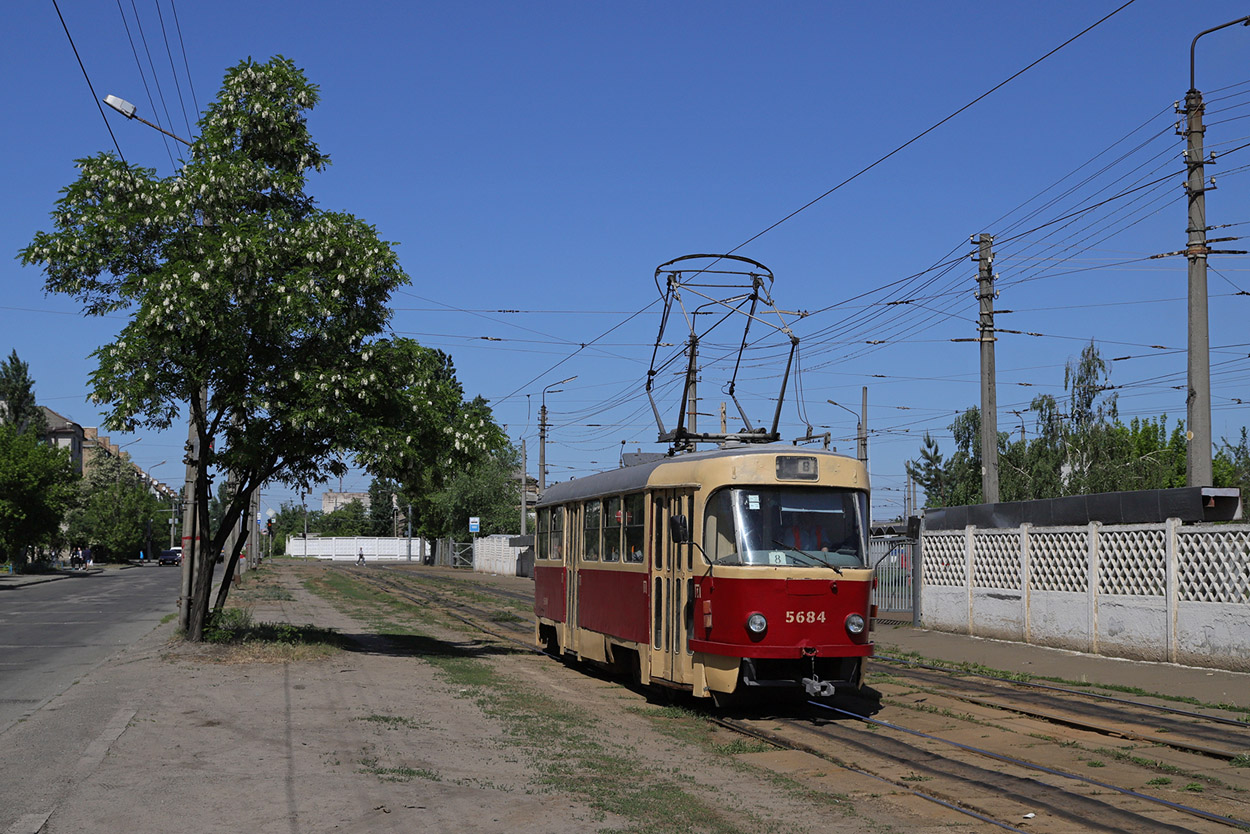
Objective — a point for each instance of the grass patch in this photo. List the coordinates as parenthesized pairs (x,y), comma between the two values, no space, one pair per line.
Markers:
(1240,760)
(741,745)
(231,637)
(1160,781)
(396,774)
(392,721)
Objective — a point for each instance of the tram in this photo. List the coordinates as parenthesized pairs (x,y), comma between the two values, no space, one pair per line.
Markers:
(722,573)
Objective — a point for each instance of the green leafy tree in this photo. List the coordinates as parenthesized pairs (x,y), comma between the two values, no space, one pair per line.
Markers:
(488,489)
(288,523)
(930,473)
(351,519)
(386,504)
(37,485)
(240,287)
(17,397)
(1088,450)
(1231,466)
(115,514)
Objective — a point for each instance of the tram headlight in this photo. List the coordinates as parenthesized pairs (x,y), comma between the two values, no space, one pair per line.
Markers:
(757,624)
(855,624)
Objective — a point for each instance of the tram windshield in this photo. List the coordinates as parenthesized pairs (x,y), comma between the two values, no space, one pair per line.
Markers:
(787,527)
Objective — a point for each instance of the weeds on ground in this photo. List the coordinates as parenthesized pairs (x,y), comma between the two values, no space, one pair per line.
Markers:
(233,637)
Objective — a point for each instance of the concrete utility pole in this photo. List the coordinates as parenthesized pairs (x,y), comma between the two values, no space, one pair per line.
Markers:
(989,395)
(861,440)
(191,534)
(524,508)
(1198,401)
(542,432)
(542,447)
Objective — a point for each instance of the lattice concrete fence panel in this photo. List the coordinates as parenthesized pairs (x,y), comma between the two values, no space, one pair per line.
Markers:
(1162,592)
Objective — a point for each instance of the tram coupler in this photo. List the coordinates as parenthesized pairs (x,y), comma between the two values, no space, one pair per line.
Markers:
(819,689)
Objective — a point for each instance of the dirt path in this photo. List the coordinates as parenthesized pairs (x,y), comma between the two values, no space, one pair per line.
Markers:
(397,735)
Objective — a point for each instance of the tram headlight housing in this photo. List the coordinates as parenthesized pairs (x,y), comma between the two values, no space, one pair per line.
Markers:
(855,624)
(757,623)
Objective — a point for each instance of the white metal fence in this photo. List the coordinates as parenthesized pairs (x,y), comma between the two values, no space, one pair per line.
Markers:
(1165,592)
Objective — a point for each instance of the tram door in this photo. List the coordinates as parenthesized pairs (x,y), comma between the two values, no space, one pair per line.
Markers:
(671,587)
(572,557)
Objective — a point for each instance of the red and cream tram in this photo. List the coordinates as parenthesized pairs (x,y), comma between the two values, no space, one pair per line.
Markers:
(719,573)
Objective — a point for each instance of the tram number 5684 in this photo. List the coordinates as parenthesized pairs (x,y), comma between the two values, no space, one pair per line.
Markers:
(805,616)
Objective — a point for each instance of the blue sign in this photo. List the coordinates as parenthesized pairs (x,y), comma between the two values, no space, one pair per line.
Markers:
(475,524)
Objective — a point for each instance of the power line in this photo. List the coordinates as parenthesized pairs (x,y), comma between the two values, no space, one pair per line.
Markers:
(90,86)
(929,130)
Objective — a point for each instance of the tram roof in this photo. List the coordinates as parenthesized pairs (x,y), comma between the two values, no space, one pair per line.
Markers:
(633,478)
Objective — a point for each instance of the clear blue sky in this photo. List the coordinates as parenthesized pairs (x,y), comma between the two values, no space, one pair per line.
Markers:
(546,157)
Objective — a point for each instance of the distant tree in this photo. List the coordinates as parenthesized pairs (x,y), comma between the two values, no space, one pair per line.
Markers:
(37,485)
(113,512)
(348,520)
(385,505)
(1231,465)
(930,473)
(1088,450)
(488,489)
(238,285)
(17,397)
(289,522)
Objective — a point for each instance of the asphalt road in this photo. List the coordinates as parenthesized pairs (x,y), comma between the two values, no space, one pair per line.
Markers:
(53,633)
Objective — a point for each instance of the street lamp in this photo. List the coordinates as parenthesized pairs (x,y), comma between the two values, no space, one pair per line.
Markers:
(542,432)
(1198,469)
(861,436)
(128,110)
(191,534)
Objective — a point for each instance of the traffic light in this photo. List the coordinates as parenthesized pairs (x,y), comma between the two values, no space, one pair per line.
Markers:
(269,527)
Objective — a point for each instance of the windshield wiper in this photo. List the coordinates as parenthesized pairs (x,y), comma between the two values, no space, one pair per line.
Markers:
(811,556)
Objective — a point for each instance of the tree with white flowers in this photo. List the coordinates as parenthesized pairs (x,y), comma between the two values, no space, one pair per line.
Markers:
(237,284)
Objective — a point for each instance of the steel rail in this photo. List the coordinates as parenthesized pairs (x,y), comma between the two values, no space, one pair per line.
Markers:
(1175,806)
(788,744)
(1218,719)
(1100,729)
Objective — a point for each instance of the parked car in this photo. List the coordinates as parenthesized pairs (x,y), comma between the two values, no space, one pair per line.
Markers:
(170,557)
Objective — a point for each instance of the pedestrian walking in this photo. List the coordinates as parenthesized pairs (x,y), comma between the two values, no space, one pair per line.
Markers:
(360,559)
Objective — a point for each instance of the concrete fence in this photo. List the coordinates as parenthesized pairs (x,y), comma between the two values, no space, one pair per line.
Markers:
(347,548)
(1161,592)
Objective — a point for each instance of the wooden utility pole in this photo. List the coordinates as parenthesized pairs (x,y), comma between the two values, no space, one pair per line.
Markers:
(989,395)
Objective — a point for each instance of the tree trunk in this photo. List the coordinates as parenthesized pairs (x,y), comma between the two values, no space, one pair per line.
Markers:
(227,575)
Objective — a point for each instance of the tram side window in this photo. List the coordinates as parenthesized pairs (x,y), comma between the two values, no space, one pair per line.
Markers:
(612,530)
(543,539)
(635,532)
(591,527)
(557,534)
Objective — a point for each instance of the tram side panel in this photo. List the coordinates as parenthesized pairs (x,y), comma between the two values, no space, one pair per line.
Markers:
(614,603)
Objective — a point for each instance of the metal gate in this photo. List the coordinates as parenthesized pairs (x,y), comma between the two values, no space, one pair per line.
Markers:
(454,554)
(894,558)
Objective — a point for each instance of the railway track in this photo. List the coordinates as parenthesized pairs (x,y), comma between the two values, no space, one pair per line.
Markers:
(1012,756)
